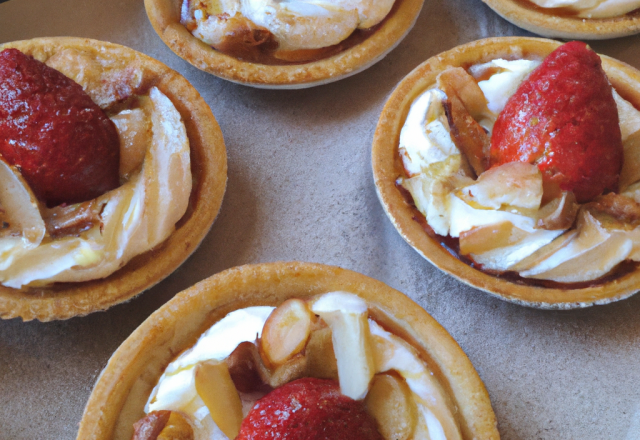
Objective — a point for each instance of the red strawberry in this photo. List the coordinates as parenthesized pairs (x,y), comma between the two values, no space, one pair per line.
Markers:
(62,142)
(564,119)
(308,409)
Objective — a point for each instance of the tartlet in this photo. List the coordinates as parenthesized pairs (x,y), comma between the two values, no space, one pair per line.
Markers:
(387,167)
(120,394)
(209,176)
(165,18)
(544,22)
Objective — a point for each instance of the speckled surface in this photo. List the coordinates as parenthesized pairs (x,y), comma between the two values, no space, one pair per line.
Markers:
(300,188)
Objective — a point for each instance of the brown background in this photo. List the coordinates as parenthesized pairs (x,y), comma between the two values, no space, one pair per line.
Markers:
(300,188)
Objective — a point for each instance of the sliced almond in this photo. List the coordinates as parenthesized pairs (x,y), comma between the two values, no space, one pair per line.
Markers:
(150,425)
(285,332)
(20,206)
(293,369)
(245,367)
(559,213)
(249,373)
(456,81)
(485,238)
(514,184)
(177,428)
(465,101)
(321,362)
(631,164)
(346,314)
(134,130)
(217,391)
(390,403)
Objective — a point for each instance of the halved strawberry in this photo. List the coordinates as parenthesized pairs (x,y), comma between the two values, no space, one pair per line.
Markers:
(64,145)
(564,119)
(308,409)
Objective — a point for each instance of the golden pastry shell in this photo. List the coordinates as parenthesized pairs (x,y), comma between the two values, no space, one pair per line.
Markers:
(120,394)
(544,23)
(209,171)
(165,18)
(387,167)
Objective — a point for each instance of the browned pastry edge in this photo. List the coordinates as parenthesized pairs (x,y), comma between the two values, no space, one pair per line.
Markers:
(387,167)
(209,171)
(124,386)
(554,26)
(165,18)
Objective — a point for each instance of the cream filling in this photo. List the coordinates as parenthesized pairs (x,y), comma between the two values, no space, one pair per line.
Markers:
(135,217)
(176,387)
(593,8)
(453,203)
(295,24)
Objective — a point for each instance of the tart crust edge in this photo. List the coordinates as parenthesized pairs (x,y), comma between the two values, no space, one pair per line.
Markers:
(209,171)
(553,26)
(123,387)
(164,16)
(387,167)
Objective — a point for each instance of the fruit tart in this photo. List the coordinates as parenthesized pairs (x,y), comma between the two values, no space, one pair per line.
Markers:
(512,164)
(113,170)
(572,19)
(276,44)
(289,350)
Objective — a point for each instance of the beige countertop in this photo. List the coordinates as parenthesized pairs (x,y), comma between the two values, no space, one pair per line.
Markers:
(300,188)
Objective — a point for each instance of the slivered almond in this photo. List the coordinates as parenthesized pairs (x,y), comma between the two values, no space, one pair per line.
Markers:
(390,403)
(321,362)
(285,332)
(217,391)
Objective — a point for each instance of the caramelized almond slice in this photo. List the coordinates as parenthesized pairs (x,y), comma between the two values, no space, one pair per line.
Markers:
(482,239)
(243,39)
(457,81)
(291,370)
(631,164)
(163,425)
(245,366)
(560,213)
(19,205)
(72,219)
(321,362)
(470,138)
(245,363)
(346,314)
(134,130)
(390,403)
(217,391)
(285,332)
(177,428)
(514,184)
(150,425)
(615,212)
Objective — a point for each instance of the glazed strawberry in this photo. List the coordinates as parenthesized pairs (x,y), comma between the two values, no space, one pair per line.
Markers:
(564,119)
(308,409)
(62,142)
